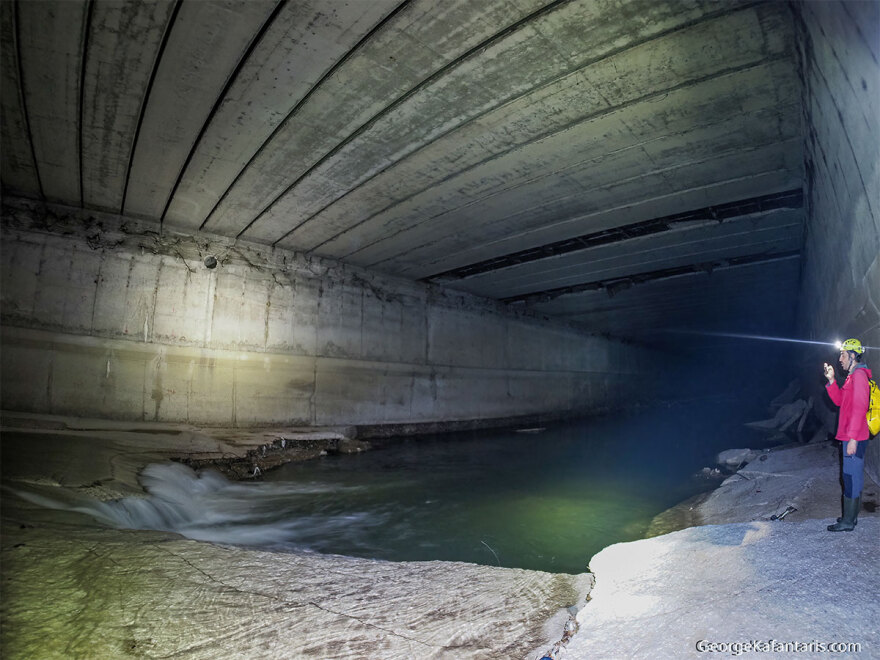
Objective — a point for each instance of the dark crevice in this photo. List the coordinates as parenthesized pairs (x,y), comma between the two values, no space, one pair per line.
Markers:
(143,110)
(618,284)
(792,199)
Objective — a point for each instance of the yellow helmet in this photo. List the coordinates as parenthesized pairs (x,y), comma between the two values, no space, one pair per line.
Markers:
(853,345)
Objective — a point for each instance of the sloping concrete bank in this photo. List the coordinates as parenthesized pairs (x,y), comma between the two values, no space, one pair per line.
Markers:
(754,587)
(805,477)
(734,584)
(74,589)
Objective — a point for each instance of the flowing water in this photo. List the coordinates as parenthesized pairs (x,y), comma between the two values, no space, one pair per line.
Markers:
(543,499)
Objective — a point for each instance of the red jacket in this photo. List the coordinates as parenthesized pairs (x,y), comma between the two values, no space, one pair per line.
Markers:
(853,401)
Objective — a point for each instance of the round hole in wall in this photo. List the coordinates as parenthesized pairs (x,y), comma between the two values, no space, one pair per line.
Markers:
(210,262)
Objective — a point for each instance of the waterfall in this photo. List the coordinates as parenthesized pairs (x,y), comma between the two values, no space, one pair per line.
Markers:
(206,506)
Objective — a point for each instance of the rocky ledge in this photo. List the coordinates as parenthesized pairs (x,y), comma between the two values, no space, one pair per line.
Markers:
(742,581)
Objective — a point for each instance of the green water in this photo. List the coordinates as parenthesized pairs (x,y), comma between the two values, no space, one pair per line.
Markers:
(545,501)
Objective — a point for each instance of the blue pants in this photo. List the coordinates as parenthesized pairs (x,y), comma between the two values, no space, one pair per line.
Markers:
(854,470)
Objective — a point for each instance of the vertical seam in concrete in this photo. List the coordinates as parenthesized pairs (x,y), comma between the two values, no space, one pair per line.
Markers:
(268,307)
(23,96)
(363,306)
(127,294)
(189,383)
(97,287)
(70,271)
(313,404)
(427,322)
(82,80)
(234,393)
(155,300)
(241,311)
(291,278)
(146,366)
(186,281)
(50,381)
(38,287)
(209,311)
(318,309)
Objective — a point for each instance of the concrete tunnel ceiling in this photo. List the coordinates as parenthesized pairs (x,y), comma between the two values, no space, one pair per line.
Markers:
(628,165)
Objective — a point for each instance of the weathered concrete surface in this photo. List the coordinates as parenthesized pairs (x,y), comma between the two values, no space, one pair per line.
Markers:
(211,38)
(124,41)
(37,445)
(49,48)
(72,588)
(839,50)
(780,231)
(736,576)
(416,137)
(806,477)
(266,92)
(737,583)
(113,320)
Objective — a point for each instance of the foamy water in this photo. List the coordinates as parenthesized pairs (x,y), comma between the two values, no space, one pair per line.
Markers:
(206,506)
(545,500)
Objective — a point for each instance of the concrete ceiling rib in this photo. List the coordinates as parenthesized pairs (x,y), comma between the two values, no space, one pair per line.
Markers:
(488,192)
(744,278)
(612,184)
(547,152)
(221,97)
(707,244)
(204,45)
(50,41)
(125,40)
(624,282)
(19,164)
(382,114)
(648,204)
(216,170)
(551,110)
(409,52)
(790,199)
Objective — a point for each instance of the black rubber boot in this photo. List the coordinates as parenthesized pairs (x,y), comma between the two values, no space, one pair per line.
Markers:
(858,507)
(847,522)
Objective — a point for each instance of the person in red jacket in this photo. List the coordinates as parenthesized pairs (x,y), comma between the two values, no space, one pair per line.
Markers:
(852,427)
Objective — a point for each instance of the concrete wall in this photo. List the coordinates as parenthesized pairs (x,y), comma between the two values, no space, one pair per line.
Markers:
(104,316)
(840,48)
